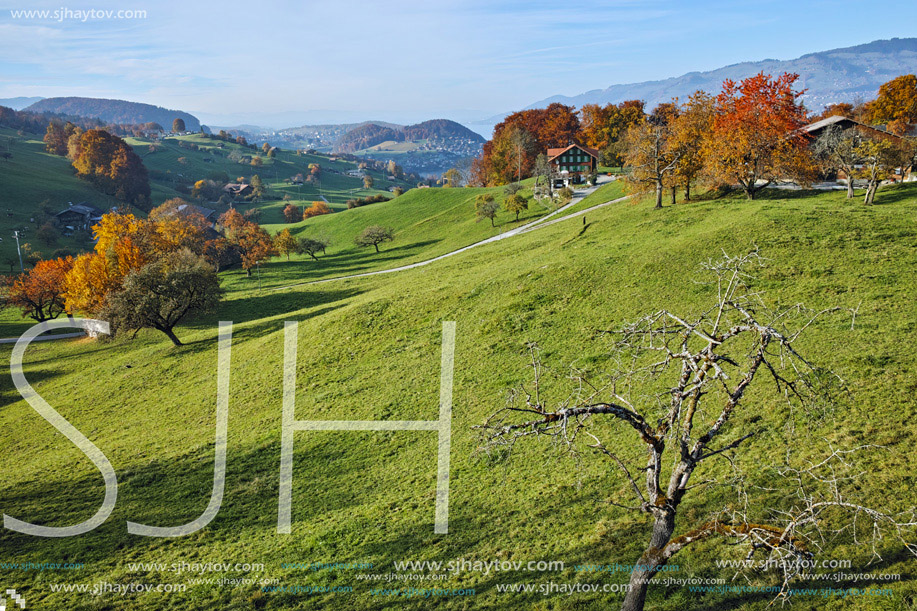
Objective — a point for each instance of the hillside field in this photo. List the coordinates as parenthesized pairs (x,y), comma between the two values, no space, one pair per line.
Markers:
(369,349)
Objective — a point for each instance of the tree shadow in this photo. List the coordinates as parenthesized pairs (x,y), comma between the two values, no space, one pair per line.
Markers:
(283,272)
(896,194)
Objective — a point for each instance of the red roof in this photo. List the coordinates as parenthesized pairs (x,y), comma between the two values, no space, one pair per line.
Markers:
(554,153)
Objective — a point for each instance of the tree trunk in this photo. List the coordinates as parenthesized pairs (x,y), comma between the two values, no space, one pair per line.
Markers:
(688,191)
(659,195)
(871,189)
(172,336)
(649,562)
(248,272)
(673,196)
(492,222)
(849,187)
(377,247)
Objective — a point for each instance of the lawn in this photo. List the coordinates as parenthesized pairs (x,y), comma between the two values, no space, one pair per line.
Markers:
(427,223)
(369,349)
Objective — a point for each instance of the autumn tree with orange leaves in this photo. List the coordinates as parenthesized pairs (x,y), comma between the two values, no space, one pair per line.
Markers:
(755,137)
(603,127)
(126,243)
(112,166)
(39,294)
(688,131)
(253,243)
(896,104)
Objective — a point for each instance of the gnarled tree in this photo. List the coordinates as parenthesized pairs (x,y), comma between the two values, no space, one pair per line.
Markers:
(683,393)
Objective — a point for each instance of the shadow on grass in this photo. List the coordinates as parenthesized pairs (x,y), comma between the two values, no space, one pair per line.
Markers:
(333,472)
(895,194)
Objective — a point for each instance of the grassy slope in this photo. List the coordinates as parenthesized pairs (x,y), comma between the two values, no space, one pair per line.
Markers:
(605,193)
(427,223)
(29,179)
(368,349)
(336,187)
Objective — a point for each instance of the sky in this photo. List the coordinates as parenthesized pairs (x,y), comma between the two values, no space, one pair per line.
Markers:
(285,63)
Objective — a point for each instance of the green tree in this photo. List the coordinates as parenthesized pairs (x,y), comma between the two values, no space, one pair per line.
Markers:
(313,246)
(257,187)
(161,294)
(486,208)
(515,204)
(452,178)
(375,235)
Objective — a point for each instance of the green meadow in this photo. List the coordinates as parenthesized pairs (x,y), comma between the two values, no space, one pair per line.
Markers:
(368,349)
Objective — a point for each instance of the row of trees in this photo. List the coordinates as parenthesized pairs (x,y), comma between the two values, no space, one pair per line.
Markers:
(146,273)
(142,273)
(486,206)
(748,135)
(751,135)
(293,214)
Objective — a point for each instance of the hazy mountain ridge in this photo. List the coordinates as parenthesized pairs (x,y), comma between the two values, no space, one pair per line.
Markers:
(115,111)
(20,102)
(837,75)
(442,131)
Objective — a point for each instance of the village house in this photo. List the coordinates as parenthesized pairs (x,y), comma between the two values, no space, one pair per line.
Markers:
(571,165)
(816,129)
(237,189)
(209,214)
(78,216)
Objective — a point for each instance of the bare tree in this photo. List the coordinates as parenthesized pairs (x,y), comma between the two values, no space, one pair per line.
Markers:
(680,383)
(839,149)
(522,144)
(651,159)
(544,174)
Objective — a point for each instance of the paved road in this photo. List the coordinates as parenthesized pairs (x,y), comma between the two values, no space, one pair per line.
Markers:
(544,221)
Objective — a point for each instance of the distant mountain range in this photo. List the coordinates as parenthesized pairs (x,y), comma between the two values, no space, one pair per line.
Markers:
(838,75)
(115,111)
(18,103)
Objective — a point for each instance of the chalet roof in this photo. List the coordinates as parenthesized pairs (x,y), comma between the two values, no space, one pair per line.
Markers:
(557,152)
(207,213)
(845,123)
(235,187)
(828,121)
(83,209)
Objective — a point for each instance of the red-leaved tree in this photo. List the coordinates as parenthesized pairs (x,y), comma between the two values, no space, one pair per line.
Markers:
(755,137)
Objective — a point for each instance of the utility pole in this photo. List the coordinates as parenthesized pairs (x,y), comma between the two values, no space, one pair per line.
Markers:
(18,250)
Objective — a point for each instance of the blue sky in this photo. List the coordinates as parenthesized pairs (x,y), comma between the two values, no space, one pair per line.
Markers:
(404,60)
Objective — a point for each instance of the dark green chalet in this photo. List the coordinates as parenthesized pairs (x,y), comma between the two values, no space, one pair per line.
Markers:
(572,164)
